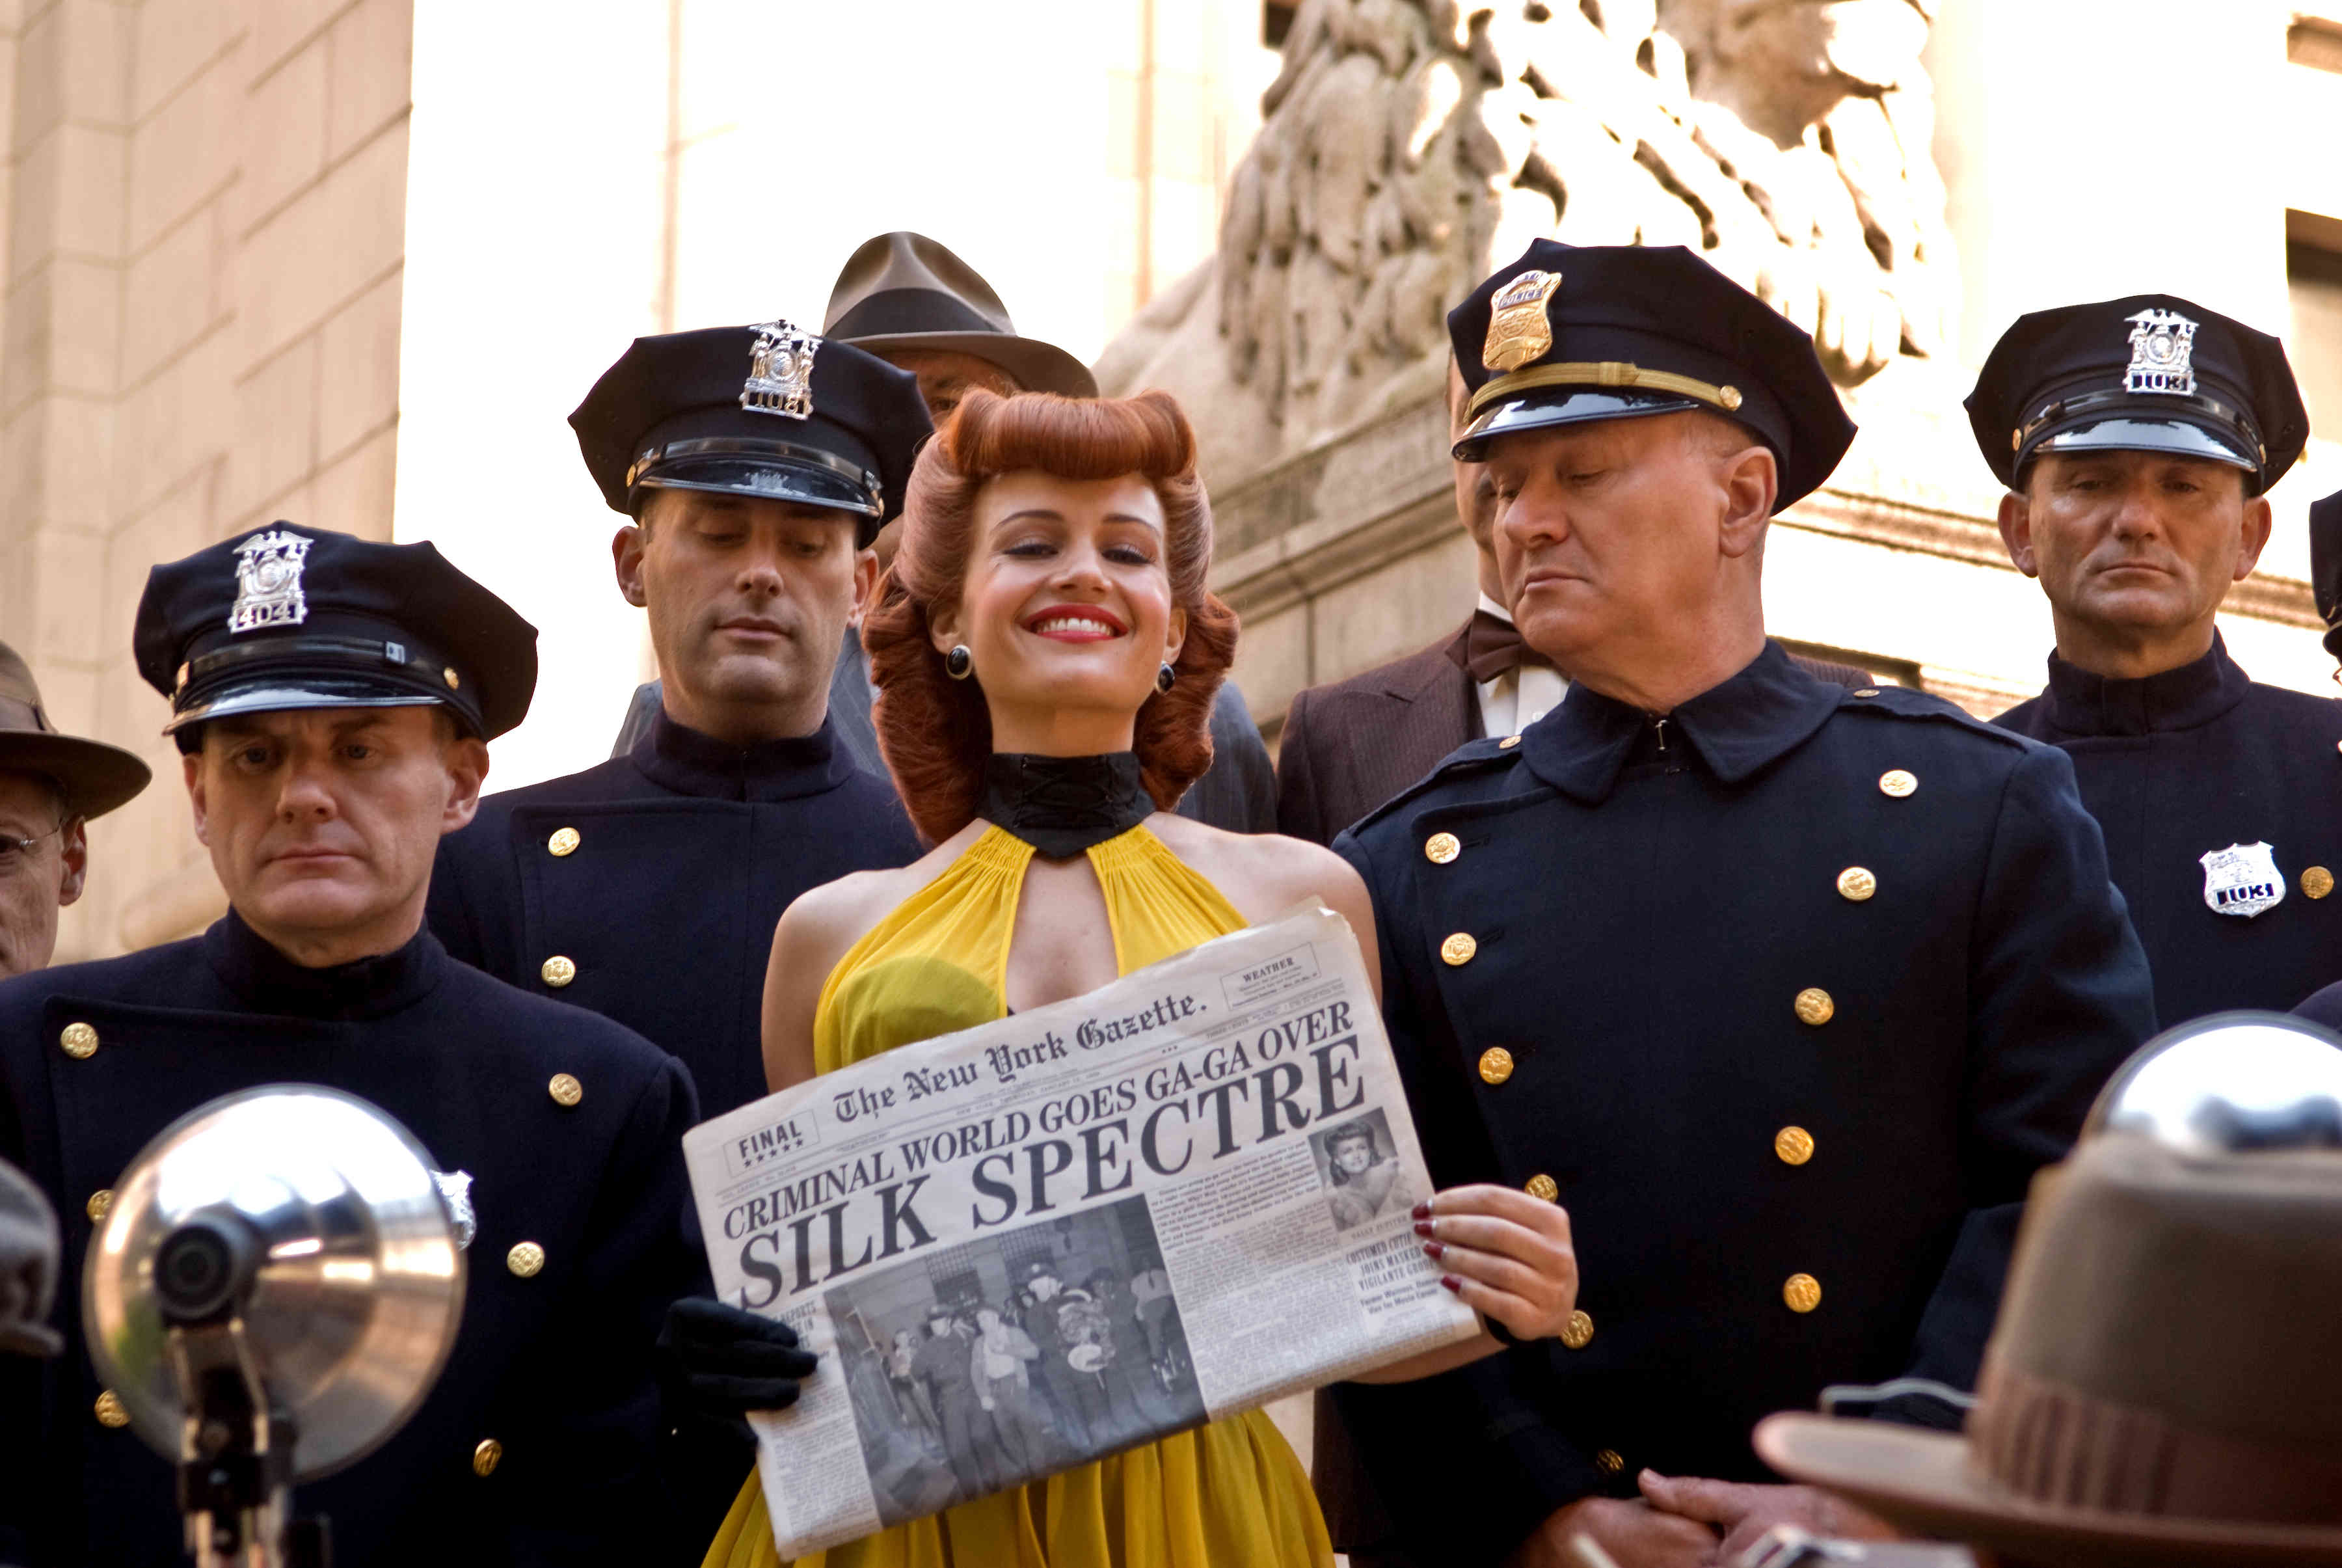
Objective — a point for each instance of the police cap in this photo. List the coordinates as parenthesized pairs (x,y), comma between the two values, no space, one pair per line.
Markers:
(2151,373)
(769,411)
(293,618)
(1571,333)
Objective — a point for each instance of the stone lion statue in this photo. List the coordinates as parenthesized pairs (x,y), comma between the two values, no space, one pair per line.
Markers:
(1411,145)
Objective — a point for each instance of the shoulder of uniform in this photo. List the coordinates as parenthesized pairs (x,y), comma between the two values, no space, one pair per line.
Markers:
(140,977)
(1475,760)
(1909,704)
(2304,707)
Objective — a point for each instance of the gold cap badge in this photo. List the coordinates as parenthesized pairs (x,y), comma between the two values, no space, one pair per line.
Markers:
(1519,331)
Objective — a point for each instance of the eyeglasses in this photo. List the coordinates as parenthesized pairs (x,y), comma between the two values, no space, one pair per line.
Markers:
(15,852)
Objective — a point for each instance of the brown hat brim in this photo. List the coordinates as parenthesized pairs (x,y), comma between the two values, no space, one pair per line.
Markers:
(1037,367)
(97,777)
(1921,1481)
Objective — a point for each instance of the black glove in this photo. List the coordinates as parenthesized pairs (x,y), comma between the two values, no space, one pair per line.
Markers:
(722,1362)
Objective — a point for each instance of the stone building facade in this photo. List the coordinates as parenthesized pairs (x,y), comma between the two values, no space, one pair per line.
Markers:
(204,211)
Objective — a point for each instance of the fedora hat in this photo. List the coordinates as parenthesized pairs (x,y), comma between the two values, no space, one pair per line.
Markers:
(95,776)
(903,291)
(2164,1384)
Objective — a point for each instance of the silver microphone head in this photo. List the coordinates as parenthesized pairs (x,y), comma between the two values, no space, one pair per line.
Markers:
(2230,1082)
(305,1223)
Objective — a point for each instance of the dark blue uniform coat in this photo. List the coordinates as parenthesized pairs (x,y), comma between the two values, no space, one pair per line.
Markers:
(1647,916)
(557,1368)
(662,894)
(2192,760)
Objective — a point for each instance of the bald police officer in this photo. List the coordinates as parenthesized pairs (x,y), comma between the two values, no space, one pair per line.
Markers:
(333,699)
(1784,989)
(2137,439)
(754,465)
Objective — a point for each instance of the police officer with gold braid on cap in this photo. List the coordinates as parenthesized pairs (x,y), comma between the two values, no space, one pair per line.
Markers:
(2137,439)
(334,697)
(1783,989)
(754,465)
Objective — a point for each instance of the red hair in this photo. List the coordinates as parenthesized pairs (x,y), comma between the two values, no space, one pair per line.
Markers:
(936,732)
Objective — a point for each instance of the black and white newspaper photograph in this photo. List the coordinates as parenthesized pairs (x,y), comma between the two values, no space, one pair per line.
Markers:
(999,1361)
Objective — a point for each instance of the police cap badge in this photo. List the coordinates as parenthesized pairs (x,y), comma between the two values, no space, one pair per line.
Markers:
(294,618)
(769,411)
(2149,372)
(1641,330)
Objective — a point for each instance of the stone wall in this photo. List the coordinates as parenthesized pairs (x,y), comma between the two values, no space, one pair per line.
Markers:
(205,218)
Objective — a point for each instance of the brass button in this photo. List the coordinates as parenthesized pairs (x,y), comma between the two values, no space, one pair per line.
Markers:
(1802,1292)
(1898,784)
(1508,742)
(1441,847)
(558,971)
(99,1202)
(1867,691)
(80,1041)
(1578,1332)
(111,1411)
(564,1089)
(487,1456)
(1794,1145)
(1542,1188)
(1727,397)
(452,680)
(1856,884)
(524,1259)
(1815,1006)
(1609,1462)
(563,842)
(1458,949)
(1496,1064)
(2316,881)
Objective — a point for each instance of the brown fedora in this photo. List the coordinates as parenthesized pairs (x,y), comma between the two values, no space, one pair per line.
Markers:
(906,291)
(95,776)
(2163,1387)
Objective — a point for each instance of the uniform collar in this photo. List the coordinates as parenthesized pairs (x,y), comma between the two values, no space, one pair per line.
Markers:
(1732,728)
(259,973)
(691,763)
(2197,692)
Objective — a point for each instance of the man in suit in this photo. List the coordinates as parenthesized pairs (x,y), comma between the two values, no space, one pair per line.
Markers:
(51,785)
(913,303)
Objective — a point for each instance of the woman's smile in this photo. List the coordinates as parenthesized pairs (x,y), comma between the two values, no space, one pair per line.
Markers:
(1076,623)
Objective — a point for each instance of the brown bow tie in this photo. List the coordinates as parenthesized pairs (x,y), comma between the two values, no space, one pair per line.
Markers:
(1493,646)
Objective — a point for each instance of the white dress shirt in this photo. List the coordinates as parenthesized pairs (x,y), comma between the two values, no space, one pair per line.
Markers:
(1511,702)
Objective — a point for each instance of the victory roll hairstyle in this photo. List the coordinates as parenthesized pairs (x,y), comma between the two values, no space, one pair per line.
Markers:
(935,733)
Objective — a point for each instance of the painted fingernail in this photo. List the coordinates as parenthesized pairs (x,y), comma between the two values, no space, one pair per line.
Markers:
(1423,1227)
(1433,1249)
(1423,1210)
(1452,1283)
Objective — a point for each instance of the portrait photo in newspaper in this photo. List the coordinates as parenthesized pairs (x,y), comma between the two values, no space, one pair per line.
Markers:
(1003,1360)
(1359,1166)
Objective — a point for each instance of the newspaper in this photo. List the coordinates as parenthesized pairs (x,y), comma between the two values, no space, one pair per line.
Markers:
(1079,1228)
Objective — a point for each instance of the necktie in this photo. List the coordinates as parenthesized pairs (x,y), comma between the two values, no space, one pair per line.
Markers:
(1493,646)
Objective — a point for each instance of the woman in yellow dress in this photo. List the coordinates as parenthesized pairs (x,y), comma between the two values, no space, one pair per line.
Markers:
(1045,653)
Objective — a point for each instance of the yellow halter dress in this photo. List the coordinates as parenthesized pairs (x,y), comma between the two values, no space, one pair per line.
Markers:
(1228,1493)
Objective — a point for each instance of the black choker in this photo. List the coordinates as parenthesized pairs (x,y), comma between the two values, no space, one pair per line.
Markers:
(1063,805)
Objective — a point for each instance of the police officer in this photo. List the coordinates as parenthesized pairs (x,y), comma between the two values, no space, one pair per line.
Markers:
(2137,439)
(333,697)
(755,465)
(1784,989)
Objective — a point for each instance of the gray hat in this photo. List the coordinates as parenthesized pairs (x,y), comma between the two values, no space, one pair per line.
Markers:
(95,776)
(906,291)
(28,1267)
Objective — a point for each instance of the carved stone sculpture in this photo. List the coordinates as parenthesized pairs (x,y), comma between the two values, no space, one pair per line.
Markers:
(1410,145)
